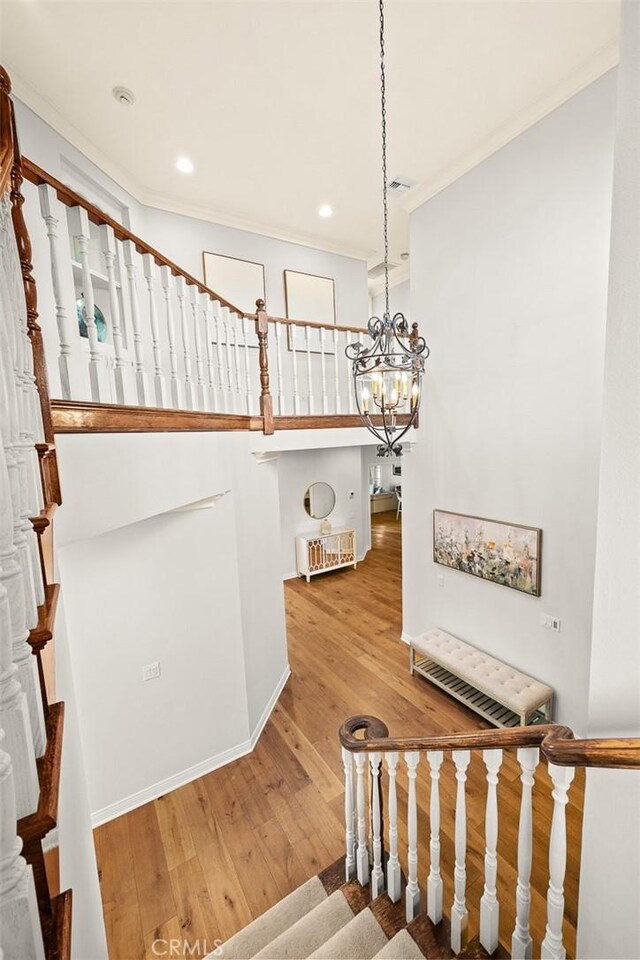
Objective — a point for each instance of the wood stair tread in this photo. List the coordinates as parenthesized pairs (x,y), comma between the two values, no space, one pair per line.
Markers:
(43,631)
(36,825)
(61,907)
(474,949)
(434,941)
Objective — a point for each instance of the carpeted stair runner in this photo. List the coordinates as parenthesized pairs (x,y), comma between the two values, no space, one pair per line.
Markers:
(311,931)
(400,947)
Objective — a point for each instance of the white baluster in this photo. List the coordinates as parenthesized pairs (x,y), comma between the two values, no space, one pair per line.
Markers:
(393,864)
(489,906)
(434,880)
(247,372)
(377,873)
(459,912)
(280,381)
(218,333)
(74,376)
(349,816)
(142,388)
(307,339)
(12,580)
(174,383)
(552,946)
(197,346)
(227,352)
(350,391)
(186,342)
(323,372)
(88,309)
(233,322)
(412,893)
(211,399)
(158,374)
(120,370)
(294,359)
(362,854)
(521,942)
(337,359)
(20,931)
(14,718)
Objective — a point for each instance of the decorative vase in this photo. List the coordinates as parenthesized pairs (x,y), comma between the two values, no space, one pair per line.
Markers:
(325,526)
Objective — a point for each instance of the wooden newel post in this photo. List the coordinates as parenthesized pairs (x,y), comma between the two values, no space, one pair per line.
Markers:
(266,400)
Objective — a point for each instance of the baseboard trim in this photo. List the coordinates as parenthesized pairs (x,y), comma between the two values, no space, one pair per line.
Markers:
(404,636)
(155,790)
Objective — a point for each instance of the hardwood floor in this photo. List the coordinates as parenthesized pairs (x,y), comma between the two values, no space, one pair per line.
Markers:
(200,862)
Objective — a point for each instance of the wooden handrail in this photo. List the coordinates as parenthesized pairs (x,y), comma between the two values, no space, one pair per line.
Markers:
(70,198)
(310,323)
(556,742)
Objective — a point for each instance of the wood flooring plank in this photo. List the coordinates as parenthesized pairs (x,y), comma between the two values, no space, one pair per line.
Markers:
(153,884)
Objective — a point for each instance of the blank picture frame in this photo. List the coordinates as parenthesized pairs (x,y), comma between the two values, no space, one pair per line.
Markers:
(309,297)
(241,282)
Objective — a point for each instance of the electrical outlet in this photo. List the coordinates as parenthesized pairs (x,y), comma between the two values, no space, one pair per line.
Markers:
(151,671)
(549,622)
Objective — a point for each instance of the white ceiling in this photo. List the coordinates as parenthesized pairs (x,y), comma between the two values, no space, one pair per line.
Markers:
(277,103)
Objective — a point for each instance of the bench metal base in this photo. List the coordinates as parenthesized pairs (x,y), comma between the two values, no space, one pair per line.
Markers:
(489,708)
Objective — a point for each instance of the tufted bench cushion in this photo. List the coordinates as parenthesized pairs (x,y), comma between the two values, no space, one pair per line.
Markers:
(496,679)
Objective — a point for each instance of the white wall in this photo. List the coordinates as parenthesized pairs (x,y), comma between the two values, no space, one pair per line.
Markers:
(342,469)
(609,920)
(399,300)
(511,262)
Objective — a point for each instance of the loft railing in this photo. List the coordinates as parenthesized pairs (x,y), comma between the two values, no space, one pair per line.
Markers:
(366,745)
(136,339)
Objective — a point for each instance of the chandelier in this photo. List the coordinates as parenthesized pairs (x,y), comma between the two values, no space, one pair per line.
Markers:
(387,375)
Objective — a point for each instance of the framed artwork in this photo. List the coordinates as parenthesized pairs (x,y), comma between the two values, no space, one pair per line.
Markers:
(308,297)
(241,282)
(505,553)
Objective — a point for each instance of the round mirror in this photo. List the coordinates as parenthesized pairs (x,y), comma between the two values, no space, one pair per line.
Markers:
(319,500)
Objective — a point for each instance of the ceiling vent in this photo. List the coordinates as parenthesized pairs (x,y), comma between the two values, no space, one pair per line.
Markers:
(399,186)
(378,270)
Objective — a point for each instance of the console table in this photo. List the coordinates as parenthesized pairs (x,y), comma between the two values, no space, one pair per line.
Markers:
(318,552)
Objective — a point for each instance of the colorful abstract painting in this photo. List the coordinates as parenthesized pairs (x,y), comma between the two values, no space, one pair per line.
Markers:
(505,553)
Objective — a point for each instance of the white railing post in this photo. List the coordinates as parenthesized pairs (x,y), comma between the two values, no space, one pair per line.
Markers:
(489,906)
(121,366)
(148,265)
(393,864)
(211,399)
(280,384)
(233,322)
(186,342)
(226,325)
(218,329)
(323,372)
(377,872)
(552,946)
(197,344)
(459,912)
(174,383)
(294,360)
(362,854)
(88,309)
(349,816)
(20,931)
(307,341)
(521,942)
(74,376)
(350,391)
(336,370)
(412,893)
(434,880)
(247,369)
(142,389)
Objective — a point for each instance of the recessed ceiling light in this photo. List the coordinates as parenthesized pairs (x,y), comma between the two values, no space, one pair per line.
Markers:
(184,165)
(325,210)
(124,96)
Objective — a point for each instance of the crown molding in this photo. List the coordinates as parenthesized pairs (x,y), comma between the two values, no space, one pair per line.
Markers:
(52,116)
(592,69)
(398,276)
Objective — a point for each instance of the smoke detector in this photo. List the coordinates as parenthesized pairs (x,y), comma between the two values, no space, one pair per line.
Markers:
(405,255)
(399,186)
(124,96)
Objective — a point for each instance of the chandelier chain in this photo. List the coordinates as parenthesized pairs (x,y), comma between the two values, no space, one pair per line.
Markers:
(383,111)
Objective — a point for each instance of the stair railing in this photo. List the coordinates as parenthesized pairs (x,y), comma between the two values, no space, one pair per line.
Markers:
(366,744)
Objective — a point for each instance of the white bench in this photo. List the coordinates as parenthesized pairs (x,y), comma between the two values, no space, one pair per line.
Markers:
(504,696)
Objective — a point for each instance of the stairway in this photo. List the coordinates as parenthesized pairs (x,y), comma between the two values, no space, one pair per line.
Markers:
(329,919)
